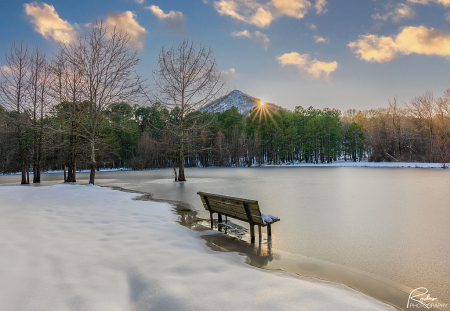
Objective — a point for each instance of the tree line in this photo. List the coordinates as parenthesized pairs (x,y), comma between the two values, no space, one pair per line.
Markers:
(87,108)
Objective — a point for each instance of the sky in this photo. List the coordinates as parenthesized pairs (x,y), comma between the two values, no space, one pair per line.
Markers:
(343,54)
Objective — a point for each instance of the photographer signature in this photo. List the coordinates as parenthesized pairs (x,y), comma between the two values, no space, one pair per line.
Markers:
(419,298)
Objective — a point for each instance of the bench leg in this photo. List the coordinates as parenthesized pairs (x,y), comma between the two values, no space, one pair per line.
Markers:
(211,217)
(252,233)
(269,230)
(219,219)
(259,231)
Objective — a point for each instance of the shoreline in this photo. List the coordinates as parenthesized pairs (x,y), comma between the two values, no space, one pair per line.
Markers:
(115,229)
(333,164)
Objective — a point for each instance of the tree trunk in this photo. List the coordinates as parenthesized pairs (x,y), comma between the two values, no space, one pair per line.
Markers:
(39,162)
(35,147)
(28,172)
(174,170)
(72,171)
(22,155)
(93,164)
(181,176)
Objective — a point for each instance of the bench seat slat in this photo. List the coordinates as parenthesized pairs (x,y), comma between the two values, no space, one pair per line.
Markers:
(235,204)
(233,212)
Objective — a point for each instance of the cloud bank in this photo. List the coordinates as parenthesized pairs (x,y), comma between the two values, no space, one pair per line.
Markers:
(418,40)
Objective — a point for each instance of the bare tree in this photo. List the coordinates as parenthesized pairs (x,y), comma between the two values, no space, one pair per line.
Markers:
(14,79)
(423,109)
(186,79)
(106,66)
(40,80)
(68,92)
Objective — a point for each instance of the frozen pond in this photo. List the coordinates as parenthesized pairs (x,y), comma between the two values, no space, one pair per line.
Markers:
(390,222)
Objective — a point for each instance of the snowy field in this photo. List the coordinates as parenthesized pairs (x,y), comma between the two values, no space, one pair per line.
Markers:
(72,247)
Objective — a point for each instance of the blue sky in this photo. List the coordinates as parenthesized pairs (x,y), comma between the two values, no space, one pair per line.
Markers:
(338,54)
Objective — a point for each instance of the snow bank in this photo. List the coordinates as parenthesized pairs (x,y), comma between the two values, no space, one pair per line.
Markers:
(367,164)
(70,247)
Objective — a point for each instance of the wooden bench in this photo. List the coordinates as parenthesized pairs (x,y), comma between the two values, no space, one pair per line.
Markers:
(241,209)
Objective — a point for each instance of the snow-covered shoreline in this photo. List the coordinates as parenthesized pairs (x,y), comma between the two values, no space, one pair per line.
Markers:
(364,164)
(333,164)
(72,247)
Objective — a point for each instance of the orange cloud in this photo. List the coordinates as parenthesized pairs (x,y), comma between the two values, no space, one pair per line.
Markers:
(48,23)
(314,68)
(443,2)
(292,8)
(125,22)
(262,13)
(418,40)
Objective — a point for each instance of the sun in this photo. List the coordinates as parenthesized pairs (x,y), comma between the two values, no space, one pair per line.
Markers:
(263,111)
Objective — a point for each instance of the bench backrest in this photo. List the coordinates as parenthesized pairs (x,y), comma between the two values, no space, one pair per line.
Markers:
(234,207)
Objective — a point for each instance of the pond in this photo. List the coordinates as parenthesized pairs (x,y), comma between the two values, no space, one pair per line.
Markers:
(392,223)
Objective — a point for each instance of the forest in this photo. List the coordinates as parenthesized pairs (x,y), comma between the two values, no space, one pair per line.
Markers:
(87,108)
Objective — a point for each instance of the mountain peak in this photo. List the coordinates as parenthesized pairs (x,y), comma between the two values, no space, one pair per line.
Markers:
(243,102)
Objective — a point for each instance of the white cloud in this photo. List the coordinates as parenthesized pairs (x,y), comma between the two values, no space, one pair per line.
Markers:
(418,40)
(261,13)
(447,16)
(443,2)
(395,13)
(140,1)
(303,62)
(320,6)
(126,22)
(229,75)
(312,27)
(173,20)
(48,23)
(257,37)
(319,39)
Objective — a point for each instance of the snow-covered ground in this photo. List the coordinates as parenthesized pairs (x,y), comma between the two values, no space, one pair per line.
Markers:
(369,164)
(78,171)
(72,247)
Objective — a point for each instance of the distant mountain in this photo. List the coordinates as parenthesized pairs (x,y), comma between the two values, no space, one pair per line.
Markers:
(243,102)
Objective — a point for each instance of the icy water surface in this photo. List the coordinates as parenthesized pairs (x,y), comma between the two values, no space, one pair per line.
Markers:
(390,222)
